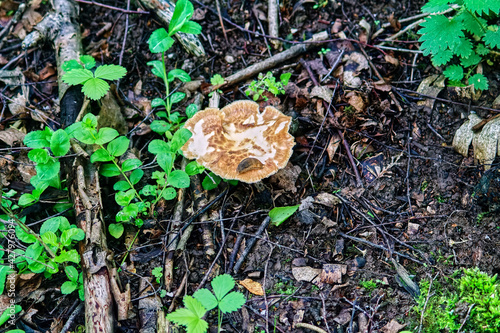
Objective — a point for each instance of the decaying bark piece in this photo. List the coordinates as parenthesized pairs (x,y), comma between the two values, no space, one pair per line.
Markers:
(164,9)
(272,21)
(86,196)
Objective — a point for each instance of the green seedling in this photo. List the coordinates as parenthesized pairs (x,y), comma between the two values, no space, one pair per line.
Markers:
(279,215)
(323,51)
(321,4)
(93,83)
(75,282)
(462,40)
(267,83)
(157,273)
(191,316)
(216,80)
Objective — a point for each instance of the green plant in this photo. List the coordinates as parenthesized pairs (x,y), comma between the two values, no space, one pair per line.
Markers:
(469,291)
(279,215)
(321,4)
(323,51)
(481,216)
(75,282)
(157,273)
(462,40)
(93,83)
(159,42)
(285,288)
(369,285)
(216,80)
(202,301)
(267,83)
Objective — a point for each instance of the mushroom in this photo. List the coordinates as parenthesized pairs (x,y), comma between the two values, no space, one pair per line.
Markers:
(239,142)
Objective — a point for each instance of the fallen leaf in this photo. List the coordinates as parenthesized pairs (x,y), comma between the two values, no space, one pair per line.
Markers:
(253,286)
(11,136)
(308,274)
(392,327)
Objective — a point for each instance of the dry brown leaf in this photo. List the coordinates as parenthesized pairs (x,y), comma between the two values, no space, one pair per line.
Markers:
(11,136)
(332,147)
(390,59)
(392,327)
(253,286)
(356,101)
(322,92)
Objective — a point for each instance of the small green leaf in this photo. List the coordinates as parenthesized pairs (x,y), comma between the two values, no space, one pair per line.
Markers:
(217,80)
(232,302)
(193,168)
(136,175)
(101,155)
(177,96)
(206,298)
(72,234)
(71,273)
(109,170)
(116,230)
(191,110)
(23,236)
(33,252)
(38,139)
(279,215)
(182,13)
(157,69)
(38,155)
(158,102)
(454,72)
(169,193)
(190,316)
(26,199)
(59,143)
(110,72)
(492,36)
(124,198)
(118,146)
(148,190)
(87,61)
(160,126)
(471,60)
(131,164)
(86,135)
(77,76)
(6,315)
(48,170)
(166,161)
(90,120)
(211,181)
(160,41)
(121,185)
(68,287)
(191,27)
(178,179)
(70,65)
(479,81)
(50,238)
(95,88)
(284,78)
(221,285)
(175,118)
(158,146)
(181,136)
(52,224)
(178,74)
(68,256)
(105,135)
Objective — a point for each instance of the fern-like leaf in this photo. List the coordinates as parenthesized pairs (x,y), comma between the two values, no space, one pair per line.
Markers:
(436,6)
(492,37)
(483,6)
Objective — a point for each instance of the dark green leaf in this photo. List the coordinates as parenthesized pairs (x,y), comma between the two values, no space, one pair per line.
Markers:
(479,81)
(101,155)
(210,181)
(118,146)
(454,72)
(109,170)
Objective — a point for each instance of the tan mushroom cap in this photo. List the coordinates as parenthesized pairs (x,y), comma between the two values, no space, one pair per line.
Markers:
(239,142)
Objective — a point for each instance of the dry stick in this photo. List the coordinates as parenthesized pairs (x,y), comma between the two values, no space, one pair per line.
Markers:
(251,243)
(310,327)
(371,63)
(359,183)
(217,4)
(403,31)
(466,318)
(72,317)
(5,31)
(126,11)
(236,247)
(174,229)
(254,11)
(272,20)
(271,62)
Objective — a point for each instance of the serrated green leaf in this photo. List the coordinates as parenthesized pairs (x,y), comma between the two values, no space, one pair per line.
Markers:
(492,37)
(110,72)
(186,318)
(279,215)
(232,302)
(160,41)
(463,48)
(479,81)
(37,139)
(178,74)
(109,170)
(70,65)
(472,23)
(442,57)
(440,33)
(454,72)
(178,179)
(105,135)
(87,61)
(206,298)
(59,143)
(101,155)
(435,6)
(118,146)
(472,60)
(483,6)
(131,164)
(482,50)
(191,27)
(77,76)
(194,306)
(95,88)
(221,285)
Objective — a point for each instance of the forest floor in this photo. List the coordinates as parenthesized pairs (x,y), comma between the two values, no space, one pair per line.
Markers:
(406,210)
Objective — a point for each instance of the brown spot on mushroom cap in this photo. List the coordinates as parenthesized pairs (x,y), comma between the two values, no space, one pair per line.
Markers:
(239,142)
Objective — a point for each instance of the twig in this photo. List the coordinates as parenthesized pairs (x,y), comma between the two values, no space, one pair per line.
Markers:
(251,243)
(310,327)
(262,29)
(408,175)
(217,4)
(72,317)
(5,31)
(429,295)
(126,11)
(236,247)
(466,317)
(403,31)
(359,182)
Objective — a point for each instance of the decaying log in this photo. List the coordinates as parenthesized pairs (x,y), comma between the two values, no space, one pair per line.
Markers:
(164,9)
(86,196)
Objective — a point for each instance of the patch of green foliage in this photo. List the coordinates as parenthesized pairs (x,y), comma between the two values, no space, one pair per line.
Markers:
(203,300)
(449,303)
(267,83)
(463,39)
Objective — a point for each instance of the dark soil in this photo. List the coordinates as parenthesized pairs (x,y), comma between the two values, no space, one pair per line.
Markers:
(415,207)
